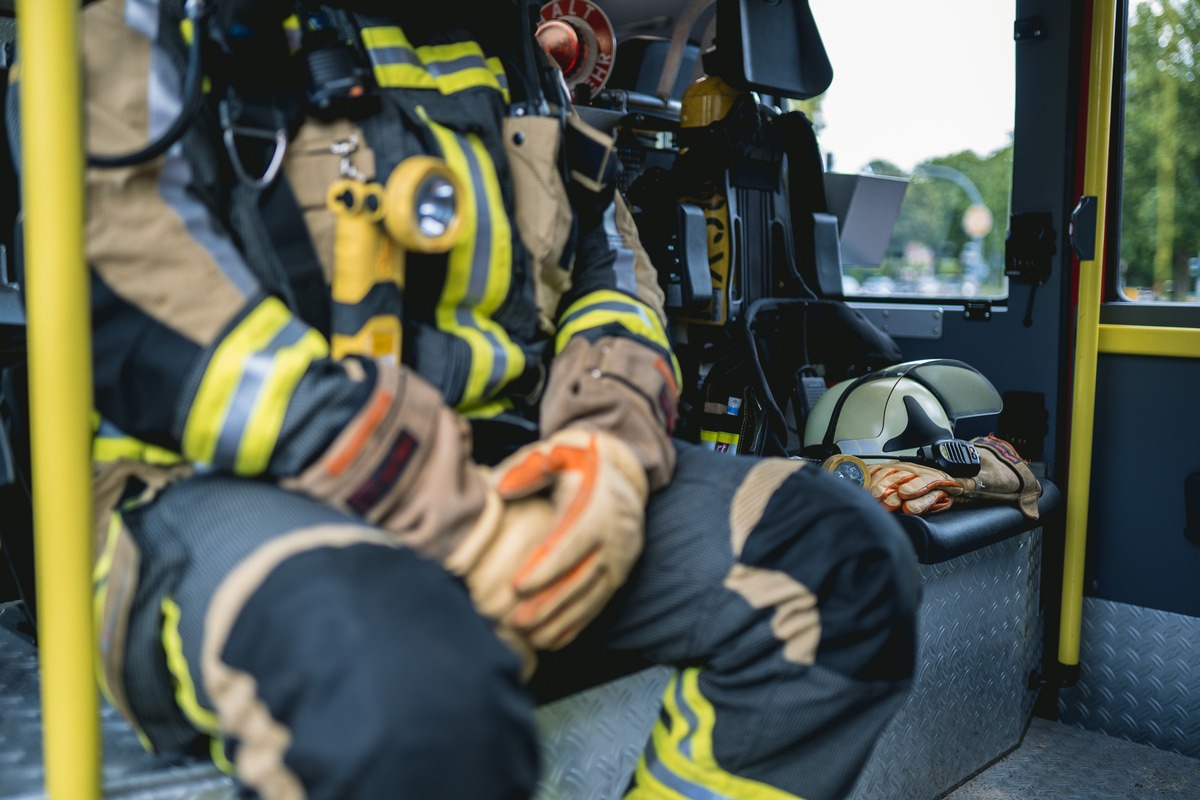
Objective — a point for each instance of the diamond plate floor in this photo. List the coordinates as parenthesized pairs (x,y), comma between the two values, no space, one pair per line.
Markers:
(129,771)
(1061,762)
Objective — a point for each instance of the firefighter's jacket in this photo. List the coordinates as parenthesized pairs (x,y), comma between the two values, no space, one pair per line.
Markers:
(209,348)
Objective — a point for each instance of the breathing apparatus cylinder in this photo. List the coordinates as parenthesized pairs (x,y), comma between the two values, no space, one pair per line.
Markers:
(707,100)
(420,209)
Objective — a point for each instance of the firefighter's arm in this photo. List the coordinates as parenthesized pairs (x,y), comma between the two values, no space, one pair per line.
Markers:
(606,417)
(613,370)
(194,356)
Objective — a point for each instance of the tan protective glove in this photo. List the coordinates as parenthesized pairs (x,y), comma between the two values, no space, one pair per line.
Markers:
(403,463)
(597,490)
(620,387)
(489,556)
(1004,476)
(913,488)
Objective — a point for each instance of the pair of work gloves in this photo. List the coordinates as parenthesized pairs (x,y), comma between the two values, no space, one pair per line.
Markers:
(542,539)
(918,489)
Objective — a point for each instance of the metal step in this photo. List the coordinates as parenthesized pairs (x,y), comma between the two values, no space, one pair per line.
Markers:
(129,771)
(1054,761)
(1060,762)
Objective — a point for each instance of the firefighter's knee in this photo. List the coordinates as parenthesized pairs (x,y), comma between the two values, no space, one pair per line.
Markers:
(382,681)
(858,564)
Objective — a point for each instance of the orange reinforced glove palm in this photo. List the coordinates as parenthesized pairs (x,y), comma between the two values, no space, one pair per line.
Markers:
(913,488)
(597,490)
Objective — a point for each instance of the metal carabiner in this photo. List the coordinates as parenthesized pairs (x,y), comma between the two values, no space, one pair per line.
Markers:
(230,131)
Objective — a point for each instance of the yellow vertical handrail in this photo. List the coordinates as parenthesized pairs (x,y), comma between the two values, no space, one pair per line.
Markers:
(1087,330)
(60,389)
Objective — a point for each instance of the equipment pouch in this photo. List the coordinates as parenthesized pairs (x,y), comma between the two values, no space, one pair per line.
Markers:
(543,212)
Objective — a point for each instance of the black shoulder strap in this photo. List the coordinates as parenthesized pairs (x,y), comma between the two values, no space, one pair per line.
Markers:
(271,226)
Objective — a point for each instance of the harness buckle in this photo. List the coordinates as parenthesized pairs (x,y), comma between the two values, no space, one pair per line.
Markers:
(233,127)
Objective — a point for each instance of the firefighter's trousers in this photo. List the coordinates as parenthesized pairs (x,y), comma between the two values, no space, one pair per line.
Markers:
(334,664)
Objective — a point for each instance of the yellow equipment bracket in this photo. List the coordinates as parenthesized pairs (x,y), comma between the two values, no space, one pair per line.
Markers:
(1087,331)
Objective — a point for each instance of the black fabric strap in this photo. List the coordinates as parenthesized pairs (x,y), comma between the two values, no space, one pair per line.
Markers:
(295,255)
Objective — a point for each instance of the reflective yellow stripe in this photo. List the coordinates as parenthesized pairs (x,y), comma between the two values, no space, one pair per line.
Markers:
(385,36)
(453,51)
(449,68)
(469,78)
(114,448)
(488,410)
(683,749)
(458,66)
(606,307)
(249,416)
(650,788)
(628,312)
(100,575)
(216,750)
(99,597)
(185,689)
(403,76)
(497,68)
(104,563)
(478,271)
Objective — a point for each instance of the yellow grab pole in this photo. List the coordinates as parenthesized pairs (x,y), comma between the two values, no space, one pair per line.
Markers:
(1087,327)
(60,389)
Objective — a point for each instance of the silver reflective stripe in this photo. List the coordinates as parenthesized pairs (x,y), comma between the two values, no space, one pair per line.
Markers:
(692,791)
(441,68)
(256,371)
(142,16)
(163,102)
(384,56)
(689,717)
(624,265)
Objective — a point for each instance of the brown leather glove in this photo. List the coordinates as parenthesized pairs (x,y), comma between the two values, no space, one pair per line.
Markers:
(1004,476)
(913,488)
(620,387)
(403,463)
(597,490)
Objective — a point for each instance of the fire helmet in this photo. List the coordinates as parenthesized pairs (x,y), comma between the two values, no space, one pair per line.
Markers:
(896,410)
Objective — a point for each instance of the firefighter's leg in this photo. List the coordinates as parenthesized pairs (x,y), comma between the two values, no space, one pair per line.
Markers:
(322,660)
(786,597)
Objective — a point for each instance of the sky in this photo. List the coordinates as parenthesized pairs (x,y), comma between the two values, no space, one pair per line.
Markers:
(914,79)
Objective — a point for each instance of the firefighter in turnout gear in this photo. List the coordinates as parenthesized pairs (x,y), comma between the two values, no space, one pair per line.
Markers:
(371,436)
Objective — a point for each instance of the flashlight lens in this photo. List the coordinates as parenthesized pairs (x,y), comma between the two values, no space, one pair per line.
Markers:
(436,206)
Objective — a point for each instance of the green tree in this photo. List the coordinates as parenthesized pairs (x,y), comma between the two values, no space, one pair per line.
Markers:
(1160,209)
(931,221)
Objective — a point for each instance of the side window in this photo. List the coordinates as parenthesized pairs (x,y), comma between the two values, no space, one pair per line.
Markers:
(1160,185)
(924,92)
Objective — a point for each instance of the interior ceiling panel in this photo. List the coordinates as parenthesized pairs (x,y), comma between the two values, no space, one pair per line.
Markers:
(641,17)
